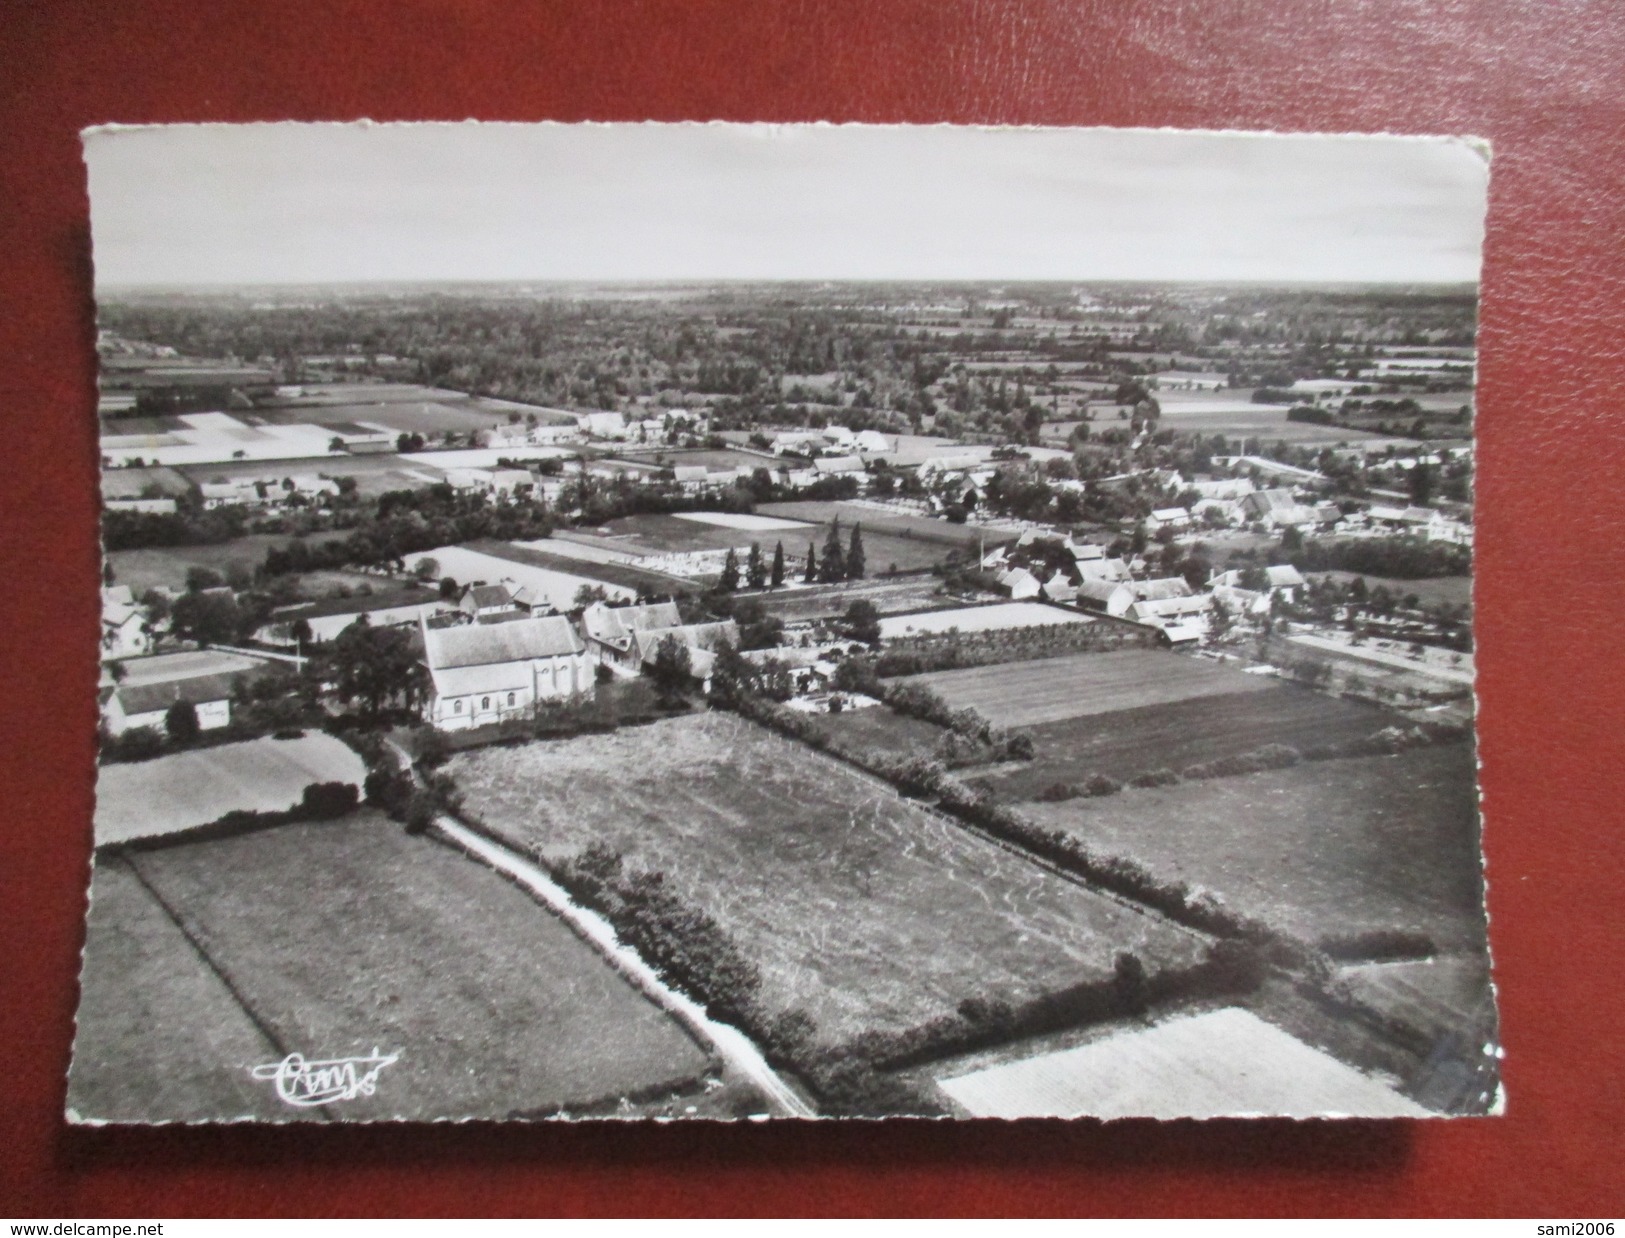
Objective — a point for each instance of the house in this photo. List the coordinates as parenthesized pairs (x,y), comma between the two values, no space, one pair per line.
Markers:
(1018,583)
(125,706)
(1111,597)
(1168,518)
(609,630)
(602,425)
(1101,570)
(486,672)
(701,639)
(871,442)
(1165,611)
(1060,588)
(1162,589)
(124,626)
(483,603)
(1279,509)
(827,466)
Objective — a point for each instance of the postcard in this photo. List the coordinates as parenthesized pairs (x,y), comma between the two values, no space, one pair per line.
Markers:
(710,621)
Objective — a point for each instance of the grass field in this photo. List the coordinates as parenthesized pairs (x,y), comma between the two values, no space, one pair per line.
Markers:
(165,566)
(142,799)
(159,1036)
(349,935)
(1220,1063)
(879,729)
(1324,848)
(900,524)
(1432,591)
(859,907)
(1054,689)
(1181,733)
(133,483)
(998,616)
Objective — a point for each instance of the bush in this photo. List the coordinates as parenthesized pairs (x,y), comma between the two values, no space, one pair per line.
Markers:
(322,801)
(139,743)
(1058,792)
(602,674)
(1154,778)
(1270,756)
(1100,784)
(1378,946)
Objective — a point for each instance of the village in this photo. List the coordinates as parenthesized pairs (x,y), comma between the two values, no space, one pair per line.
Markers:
(1128,628)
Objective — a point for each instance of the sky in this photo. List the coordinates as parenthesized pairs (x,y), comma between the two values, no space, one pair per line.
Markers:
(330,203)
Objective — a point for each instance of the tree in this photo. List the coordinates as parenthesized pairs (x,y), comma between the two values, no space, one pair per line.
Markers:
(755,569)
(208,619)
(811,576)
(588,594)
(776,576)
(299,629)
(854,555)
(862,622)
(1421,484)
(200,578)
(180,722)
(374,666)
(426,569)
(833,569)
(729,580)
(672,668)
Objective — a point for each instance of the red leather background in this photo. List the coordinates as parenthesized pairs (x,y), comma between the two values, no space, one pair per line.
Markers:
(1542,80)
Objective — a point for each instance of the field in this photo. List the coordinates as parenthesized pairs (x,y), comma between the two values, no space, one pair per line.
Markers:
(132,483)
(861,908)
(1054,689)
(1431,591)
(1327,848)
(1221,1063)
(912,594)
(374,475)
(739,521)
(559,588)
(879,729)
(662,533)
(881,520)
(540,554)
(999,616)
(164,567)
(1238,418)
(1181,733)
(141,799)
(350,935)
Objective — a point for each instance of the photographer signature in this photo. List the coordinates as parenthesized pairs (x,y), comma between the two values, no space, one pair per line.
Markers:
(307,1084)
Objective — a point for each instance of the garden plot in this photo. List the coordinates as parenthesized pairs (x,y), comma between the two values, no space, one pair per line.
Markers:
(1326,849)
(144,799)
(997,617)
(1053,689)
(346,936)
(858,907)
(1224,1063)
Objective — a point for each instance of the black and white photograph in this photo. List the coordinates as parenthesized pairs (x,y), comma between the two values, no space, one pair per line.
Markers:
(732,622)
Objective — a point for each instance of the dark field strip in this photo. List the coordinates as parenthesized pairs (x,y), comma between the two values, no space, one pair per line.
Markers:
(1183,733)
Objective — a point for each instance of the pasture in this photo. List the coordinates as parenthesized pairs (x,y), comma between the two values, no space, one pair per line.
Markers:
(1324,849)
(862,909)
(1431,591)
(1178,734)
(165,567)
(878,519)
(144,483)
(878,729)
(348,935)
(1054,689)
(1221,1063)
(145,799)
(799,604)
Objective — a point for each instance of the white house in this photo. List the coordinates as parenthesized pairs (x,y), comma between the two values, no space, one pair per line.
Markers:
(1019,583)
(124,627)
(485,672)
(1112,597)
(484,602)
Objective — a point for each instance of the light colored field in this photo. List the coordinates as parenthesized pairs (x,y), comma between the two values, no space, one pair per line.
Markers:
(343,936)
(143,799)
(738,520)
(979,619)
(558,588)
(1226,1063)
(859,907)
(1052,689)
(1432,591)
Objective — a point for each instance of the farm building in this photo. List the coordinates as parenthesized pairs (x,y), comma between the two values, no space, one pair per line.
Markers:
(485,672)
(1168,518)
(1279,509)
(702,640)
(827,466)
(1113,597)
(1019,584)
(147,704)
(609,630)
(1170,613)
(486,602)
